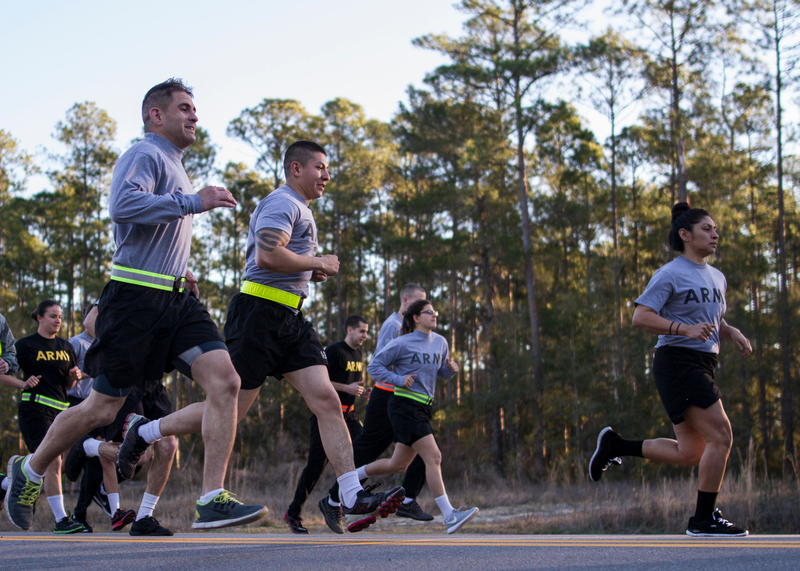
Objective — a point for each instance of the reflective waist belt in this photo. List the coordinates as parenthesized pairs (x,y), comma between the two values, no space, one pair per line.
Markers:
(350,408)
(52,403)
(384,386)
(272,294)
(147,279)
(401,392)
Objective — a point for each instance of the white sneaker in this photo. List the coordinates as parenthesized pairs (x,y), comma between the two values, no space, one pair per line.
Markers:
(458,518)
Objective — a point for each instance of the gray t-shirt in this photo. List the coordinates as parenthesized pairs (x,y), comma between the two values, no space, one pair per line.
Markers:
(282,209)
(413,354)
(8,350)
(390,330)
(151,203)
(688,293)
(81,343)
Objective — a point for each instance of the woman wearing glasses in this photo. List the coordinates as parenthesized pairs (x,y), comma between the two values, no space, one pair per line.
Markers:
(411,363)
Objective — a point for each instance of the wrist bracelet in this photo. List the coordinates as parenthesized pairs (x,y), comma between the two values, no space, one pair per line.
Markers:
(678,329)
(671,323)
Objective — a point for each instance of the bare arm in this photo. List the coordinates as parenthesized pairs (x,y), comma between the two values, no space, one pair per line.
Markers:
(355,389)
(647,319)
(729,332)
(10,381)
(272,255)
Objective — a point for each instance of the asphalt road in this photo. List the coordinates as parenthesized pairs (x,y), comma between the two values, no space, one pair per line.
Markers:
(367,552)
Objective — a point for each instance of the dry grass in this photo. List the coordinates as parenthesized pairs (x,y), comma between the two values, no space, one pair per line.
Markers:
(643,507)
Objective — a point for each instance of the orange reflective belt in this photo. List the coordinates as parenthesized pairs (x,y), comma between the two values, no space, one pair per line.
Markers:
(384,386)
(350,408)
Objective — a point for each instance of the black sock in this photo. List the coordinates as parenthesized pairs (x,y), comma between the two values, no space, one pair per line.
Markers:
(706,501)
(622,447)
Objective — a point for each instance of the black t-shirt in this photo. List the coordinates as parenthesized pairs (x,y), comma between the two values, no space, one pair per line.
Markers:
(344,366)
(50,358)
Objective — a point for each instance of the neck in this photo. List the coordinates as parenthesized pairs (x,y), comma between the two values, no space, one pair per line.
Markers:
(694,257)
(423,330)
(350,343)
(296,188)
(45,334)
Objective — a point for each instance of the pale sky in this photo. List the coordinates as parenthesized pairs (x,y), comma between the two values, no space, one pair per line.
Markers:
(234,53)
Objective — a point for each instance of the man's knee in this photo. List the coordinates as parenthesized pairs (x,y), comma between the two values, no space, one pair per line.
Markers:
(166,448)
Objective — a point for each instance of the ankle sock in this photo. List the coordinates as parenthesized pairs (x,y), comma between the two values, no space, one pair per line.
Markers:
(444,505)
(113,502)
(32,476)
(91,447)
(706,501)
(362,473)
(151,432)
(205,498)
(349,486)
(147,506)
(57,507)
(407,501)
(4,484)
(332,503)
(622,447)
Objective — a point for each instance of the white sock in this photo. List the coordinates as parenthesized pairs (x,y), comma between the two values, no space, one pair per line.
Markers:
(91,447)
(151,431)
(4,483)
(103,489)
(147,506)
(362,473)
(32,476)
(210,495)
(349,486)
(444,506)
(57,506)
(113,501)
(407,501)
(330,502)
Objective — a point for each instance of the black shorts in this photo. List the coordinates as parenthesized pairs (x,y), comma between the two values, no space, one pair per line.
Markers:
(411,420)
(149,399)
(34,420)
(267,339)
(142,332)
(684,377)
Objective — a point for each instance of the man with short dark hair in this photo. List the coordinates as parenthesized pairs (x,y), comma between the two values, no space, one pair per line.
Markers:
(150,318)
(377,433)
(345,363)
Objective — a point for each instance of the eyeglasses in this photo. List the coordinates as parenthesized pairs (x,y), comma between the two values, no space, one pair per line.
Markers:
(431,312)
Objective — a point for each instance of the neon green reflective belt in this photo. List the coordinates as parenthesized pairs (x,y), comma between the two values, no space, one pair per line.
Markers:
(272,294)
(401,392)
(53,403)
(146,279)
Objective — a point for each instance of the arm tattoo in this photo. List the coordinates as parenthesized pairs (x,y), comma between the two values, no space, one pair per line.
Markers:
(270,238)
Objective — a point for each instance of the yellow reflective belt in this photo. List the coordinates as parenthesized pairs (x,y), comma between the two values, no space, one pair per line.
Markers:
(401,392)
(146,279)
(272,294)
(53,403)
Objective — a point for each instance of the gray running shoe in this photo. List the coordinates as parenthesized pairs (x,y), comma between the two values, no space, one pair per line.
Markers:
(65,526)
(413,510)
(21,495)
(334,516)
(714,526)
(224,510)
(132,447)
(459,517)
(602,457)
(149,525)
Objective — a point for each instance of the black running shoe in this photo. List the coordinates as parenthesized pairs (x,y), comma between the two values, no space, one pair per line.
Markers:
(2,491)
(714,526)
(295,524)
(82,521)
(121,519)
(66,526)
(76,460)
(148,525)
(602,457)
(101,499)
(414,511)
(362,514)
(132,447)
(334,516)
(21,495)
(224,510)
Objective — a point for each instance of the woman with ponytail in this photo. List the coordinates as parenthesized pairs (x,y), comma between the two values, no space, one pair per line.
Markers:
(684,304)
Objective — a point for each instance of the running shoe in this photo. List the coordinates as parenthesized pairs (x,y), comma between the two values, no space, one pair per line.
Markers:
(224,510)
(2,491)
(132,447)
(334,516)
(101,499)
(148,525)
(121,519)
(82,521)
(714,526)
(362,514)
(66,526)
(602,457)
(76,460)
(459,517)
(295,524)
(413,510)
(21,495)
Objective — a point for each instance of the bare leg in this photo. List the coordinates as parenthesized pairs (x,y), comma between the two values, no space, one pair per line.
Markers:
(429,451)
(110,482)
(72,424)
(398,463)
(52,478)
(189,420)
(315,386)
(163,453)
